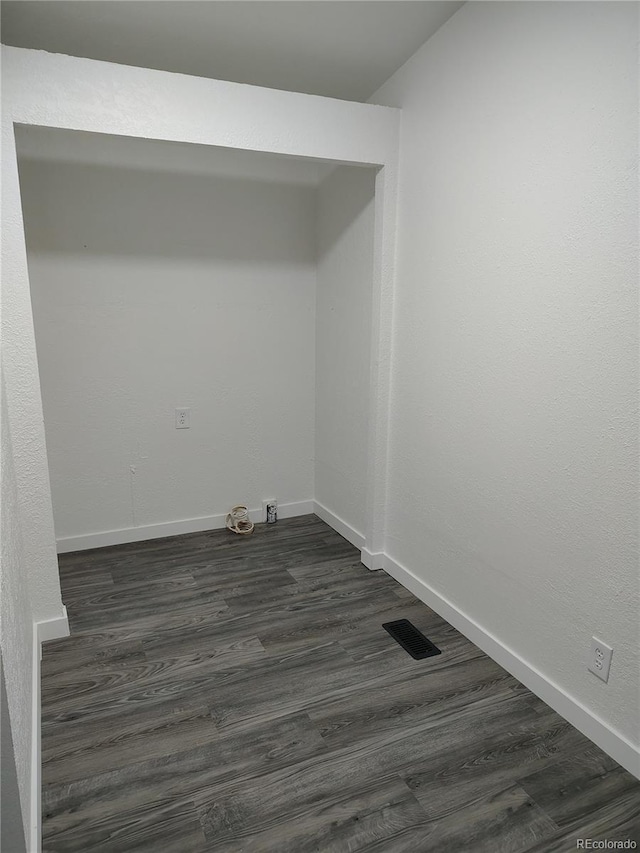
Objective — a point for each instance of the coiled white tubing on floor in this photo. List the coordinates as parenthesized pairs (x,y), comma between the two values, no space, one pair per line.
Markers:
(238,520)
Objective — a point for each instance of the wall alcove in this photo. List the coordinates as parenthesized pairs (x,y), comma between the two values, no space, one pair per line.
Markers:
(235,283)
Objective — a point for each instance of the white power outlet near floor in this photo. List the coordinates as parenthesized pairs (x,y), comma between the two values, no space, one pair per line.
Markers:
(265,504)
(600,658)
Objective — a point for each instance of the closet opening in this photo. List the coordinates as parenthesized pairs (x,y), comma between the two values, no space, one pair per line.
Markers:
(236,285)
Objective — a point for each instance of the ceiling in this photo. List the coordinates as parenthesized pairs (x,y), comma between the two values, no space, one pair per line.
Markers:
(338,48)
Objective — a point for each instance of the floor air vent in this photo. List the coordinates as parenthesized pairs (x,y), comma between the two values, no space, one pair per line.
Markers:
(411,640)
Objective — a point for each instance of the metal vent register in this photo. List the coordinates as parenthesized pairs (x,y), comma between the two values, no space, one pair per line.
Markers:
(412,641)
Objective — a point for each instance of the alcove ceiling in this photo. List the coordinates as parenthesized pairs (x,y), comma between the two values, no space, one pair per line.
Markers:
(55,145)
(338,48)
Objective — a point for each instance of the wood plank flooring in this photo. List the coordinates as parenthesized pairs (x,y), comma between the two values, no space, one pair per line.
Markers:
(225,693)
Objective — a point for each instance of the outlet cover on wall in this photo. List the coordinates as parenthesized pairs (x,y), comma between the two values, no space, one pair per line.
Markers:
(265,504)
(600,658)
(183,418)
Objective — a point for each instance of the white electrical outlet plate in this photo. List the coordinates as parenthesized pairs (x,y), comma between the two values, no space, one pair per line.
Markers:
(183,418)
(264,507)
(600,658)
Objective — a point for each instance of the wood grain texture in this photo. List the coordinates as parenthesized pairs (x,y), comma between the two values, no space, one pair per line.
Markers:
(227,694)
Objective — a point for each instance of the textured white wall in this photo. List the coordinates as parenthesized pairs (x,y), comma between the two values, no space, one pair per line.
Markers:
(343,341)
(22,386)
(513,450)
(155,288)
(16,620)
(51,90)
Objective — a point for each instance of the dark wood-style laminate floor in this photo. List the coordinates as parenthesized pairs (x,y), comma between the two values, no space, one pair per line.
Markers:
(224,693)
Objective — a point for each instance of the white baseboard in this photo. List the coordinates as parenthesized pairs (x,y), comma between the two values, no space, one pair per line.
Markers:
(292,510)
(48,629)
(339,525)
(52,629)
(83,542)
(608,739)
(373,560)
(35,818)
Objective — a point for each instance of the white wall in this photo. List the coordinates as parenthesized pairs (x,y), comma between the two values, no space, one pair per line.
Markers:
(513,438)
(12,830)
(16,621)
(22,388)
(343,342)
(162,286)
